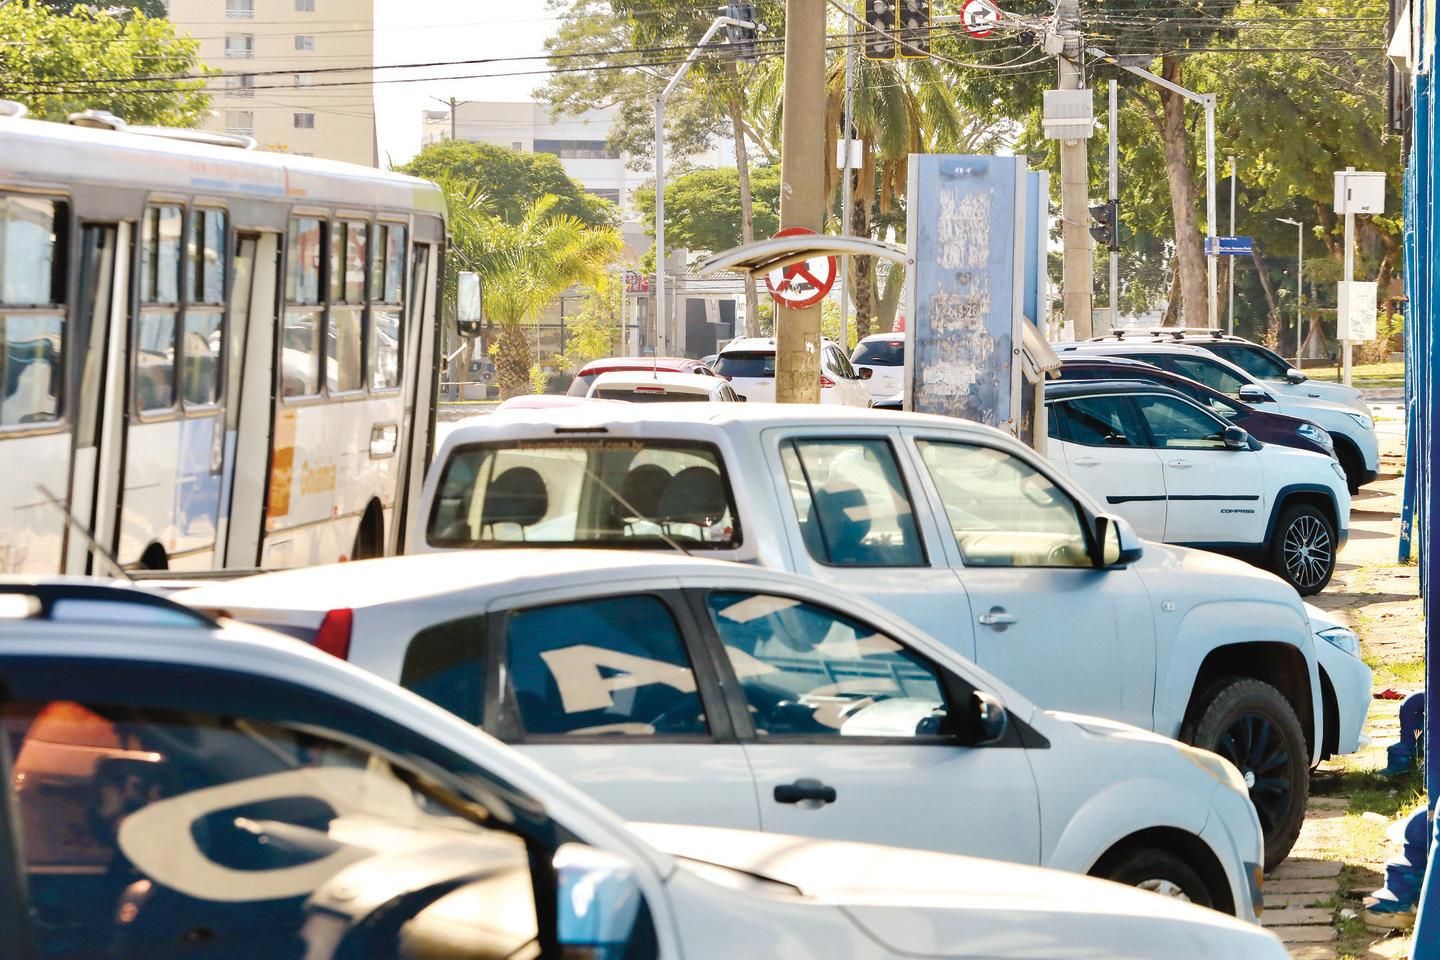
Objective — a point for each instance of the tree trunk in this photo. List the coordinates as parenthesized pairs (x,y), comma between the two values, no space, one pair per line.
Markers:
(512,361)
(862,269)
(747,213)
(1269,287)
(1172,307)
(1189,248)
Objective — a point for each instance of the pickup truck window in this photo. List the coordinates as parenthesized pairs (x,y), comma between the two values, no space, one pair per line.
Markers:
(614,493)
(853,508)
(1004,513)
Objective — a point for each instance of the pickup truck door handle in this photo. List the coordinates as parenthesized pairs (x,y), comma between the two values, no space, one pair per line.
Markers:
(802,790)
(997,619)
(1086,462)
(1181,464)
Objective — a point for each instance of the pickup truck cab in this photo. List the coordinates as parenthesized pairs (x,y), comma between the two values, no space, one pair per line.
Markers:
(954,526)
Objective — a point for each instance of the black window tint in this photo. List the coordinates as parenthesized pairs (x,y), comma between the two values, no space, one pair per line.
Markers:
(807,670)
(880,353)
(1103,422)
(445,665)
(608,666)
(851,502)
(1177,425)
(1254,360)
(738,363)
(1203,370)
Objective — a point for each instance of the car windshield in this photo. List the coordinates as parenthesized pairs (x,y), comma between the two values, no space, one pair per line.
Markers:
(746,363)
(612,493)
(880,353)
(1254,360)
(1202,369)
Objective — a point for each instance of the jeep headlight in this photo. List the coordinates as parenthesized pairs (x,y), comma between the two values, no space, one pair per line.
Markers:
(1365,422)
(1343,638)
(1217,766)
(1316,435)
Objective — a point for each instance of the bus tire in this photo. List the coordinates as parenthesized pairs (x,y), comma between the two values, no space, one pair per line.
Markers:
(370,538)
(154,558)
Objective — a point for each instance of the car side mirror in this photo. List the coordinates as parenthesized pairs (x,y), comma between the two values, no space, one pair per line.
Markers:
(865,373)
(988,718)
(1295,376)
(1119,544)
(1254,393)
(1235,438)
(469,304)
(599,902)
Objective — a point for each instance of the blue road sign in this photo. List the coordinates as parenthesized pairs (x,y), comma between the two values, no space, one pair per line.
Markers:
(1231,246)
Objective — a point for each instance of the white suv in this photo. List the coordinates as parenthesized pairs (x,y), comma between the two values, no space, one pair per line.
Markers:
(1352,428)
(671,688)
(173,788)
(1181,474)
(749,364)
(955,527)
(880,361)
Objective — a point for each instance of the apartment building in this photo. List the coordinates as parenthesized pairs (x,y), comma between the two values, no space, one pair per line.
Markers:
(270,51)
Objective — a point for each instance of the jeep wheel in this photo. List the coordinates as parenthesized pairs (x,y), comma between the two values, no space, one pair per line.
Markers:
(1251,724)
(1302,550)
(1158,871)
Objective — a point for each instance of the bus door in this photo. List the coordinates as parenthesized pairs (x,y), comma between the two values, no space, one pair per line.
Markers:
(174,446)
(419,395)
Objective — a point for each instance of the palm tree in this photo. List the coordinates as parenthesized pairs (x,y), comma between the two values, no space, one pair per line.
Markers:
(523,266)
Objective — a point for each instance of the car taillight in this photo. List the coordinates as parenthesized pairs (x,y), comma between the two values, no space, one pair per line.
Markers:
(826,382)
(333,637)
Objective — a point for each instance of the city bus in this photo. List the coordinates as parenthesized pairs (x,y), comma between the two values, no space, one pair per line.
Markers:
(212,357)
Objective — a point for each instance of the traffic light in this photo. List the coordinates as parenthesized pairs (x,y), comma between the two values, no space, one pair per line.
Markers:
(915,29)
(1106,230)
(880,25)
(743,39)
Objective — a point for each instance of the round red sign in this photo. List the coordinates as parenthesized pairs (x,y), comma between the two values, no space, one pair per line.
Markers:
(801,284)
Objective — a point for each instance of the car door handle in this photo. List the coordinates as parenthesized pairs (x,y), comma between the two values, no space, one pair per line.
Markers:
(802,790)
(1180,464)
(997,618)
(1086,462)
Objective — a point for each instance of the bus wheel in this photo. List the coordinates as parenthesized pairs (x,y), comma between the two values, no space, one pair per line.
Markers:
(154,558)
(370,538)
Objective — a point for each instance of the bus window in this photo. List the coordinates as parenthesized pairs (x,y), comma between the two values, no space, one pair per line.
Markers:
(344,369)
(32,294)
(202,350)
(155,335)
(386,291)
(303,313)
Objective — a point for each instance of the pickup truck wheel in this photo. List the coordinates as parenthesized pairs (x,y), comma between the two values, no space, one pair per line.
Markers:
(1156,870)
(1302,550)
(1251,724)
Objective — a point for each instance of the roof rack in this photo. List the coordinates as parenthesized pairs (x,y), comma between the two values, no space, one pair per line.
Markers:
(80,601)
(105,120)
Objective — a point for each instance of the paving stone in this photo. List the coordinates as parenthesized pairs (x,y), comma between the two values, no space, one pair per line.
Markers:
(1302,885)
(1315,934)
(1312,952)
(1284,901)
(1294,869)
(1298,917)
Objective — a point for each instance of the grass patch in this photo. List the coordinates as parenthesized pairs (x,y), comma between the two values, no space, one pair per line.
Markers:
(1397,673)
(1364,375)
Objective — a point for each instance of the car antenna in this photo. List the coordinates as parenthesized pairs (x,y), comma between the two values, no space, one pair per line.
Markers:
(84,532)
(638,515)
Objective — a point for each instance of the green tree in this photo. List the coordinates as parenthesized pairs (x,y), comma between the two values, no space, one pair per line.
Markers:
(511,181)
(150,8)
(523,266)
(594,333)
(702,207)
(62,63)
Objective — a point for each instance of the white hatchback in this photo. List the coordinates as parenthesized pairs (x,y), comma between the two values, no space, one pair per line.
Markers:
(749,364)
(695,691)
(880,361)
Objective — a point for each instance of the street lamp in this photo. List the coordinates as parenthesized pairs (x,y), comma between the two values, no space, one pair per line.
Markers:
(1299,290)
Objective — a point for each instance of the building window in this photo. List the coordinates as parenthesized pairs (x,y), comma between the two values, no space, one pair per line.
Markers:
(243,9)
(577,149)
(241,86)
(304,6)
(605,194)
(240,45)
(304,79)
(516,145)
(241,122)
(304,41)
(304,121)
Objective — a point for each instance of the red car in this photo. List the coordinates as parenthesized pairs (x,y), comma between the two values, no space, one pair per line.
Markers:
(587,374)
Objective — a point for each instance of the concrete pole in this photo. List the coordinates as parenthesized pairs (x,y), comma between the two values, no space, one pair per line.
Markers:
(1230,271)
(662,312)
(846,199)
(1212,262)
(1349,272)
(1078,281)
(453,105)
(802,201)
(1300,297)
(1115,195)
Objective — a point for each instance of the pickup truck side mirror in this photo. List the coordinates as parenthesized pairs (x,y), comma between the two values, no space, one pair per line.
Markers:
(1254,393)
(1295,376)
(989,719)
(1118,543)
(599,902)
(469,304)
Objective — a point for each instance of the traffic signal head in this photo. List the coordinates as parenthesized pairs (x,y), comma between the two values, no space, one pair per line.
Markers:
(880,26)
(914,32)
(1106,230)
(742,39)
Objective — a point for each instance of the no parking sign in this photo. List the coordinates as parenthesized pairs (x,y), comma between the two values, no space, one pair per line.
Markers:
(801,284)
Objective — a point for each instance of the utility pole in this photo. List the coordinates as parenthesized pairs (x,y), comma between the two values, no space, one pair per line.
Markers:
(1115,198)
(1078,283)
(453,105)
(1212,261)
(1230,270)
(846,200)
(1348,275)
(802,203)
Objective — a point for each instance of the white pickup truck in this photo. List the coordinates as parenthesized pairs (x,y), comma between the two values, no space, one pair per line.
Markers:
(956,527)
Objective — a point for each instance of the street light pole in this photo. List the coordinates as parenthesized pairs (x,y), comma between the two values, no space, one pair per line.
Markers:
(1230,273)
(1115,195)
(1299,286)
(845,193)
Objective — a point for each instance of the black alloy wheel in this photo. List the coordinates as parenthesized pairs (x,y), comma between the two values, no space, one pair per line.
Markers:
(1304,549)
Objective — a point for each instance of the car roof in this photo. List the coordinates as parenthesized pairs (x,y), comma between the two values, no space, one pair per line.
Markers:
(1100,347)
(758,345)
(1068,389)
(687,382)
(1101,360)
(637,363)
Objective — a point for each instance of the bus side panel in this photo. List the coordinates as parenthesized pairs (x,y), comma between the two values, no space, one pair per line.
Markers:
(172,490)
(34,527)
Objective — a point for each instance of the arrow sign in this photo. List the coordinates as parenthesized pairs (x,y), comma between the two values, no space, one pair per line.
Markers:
(802,284)
(979,17)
